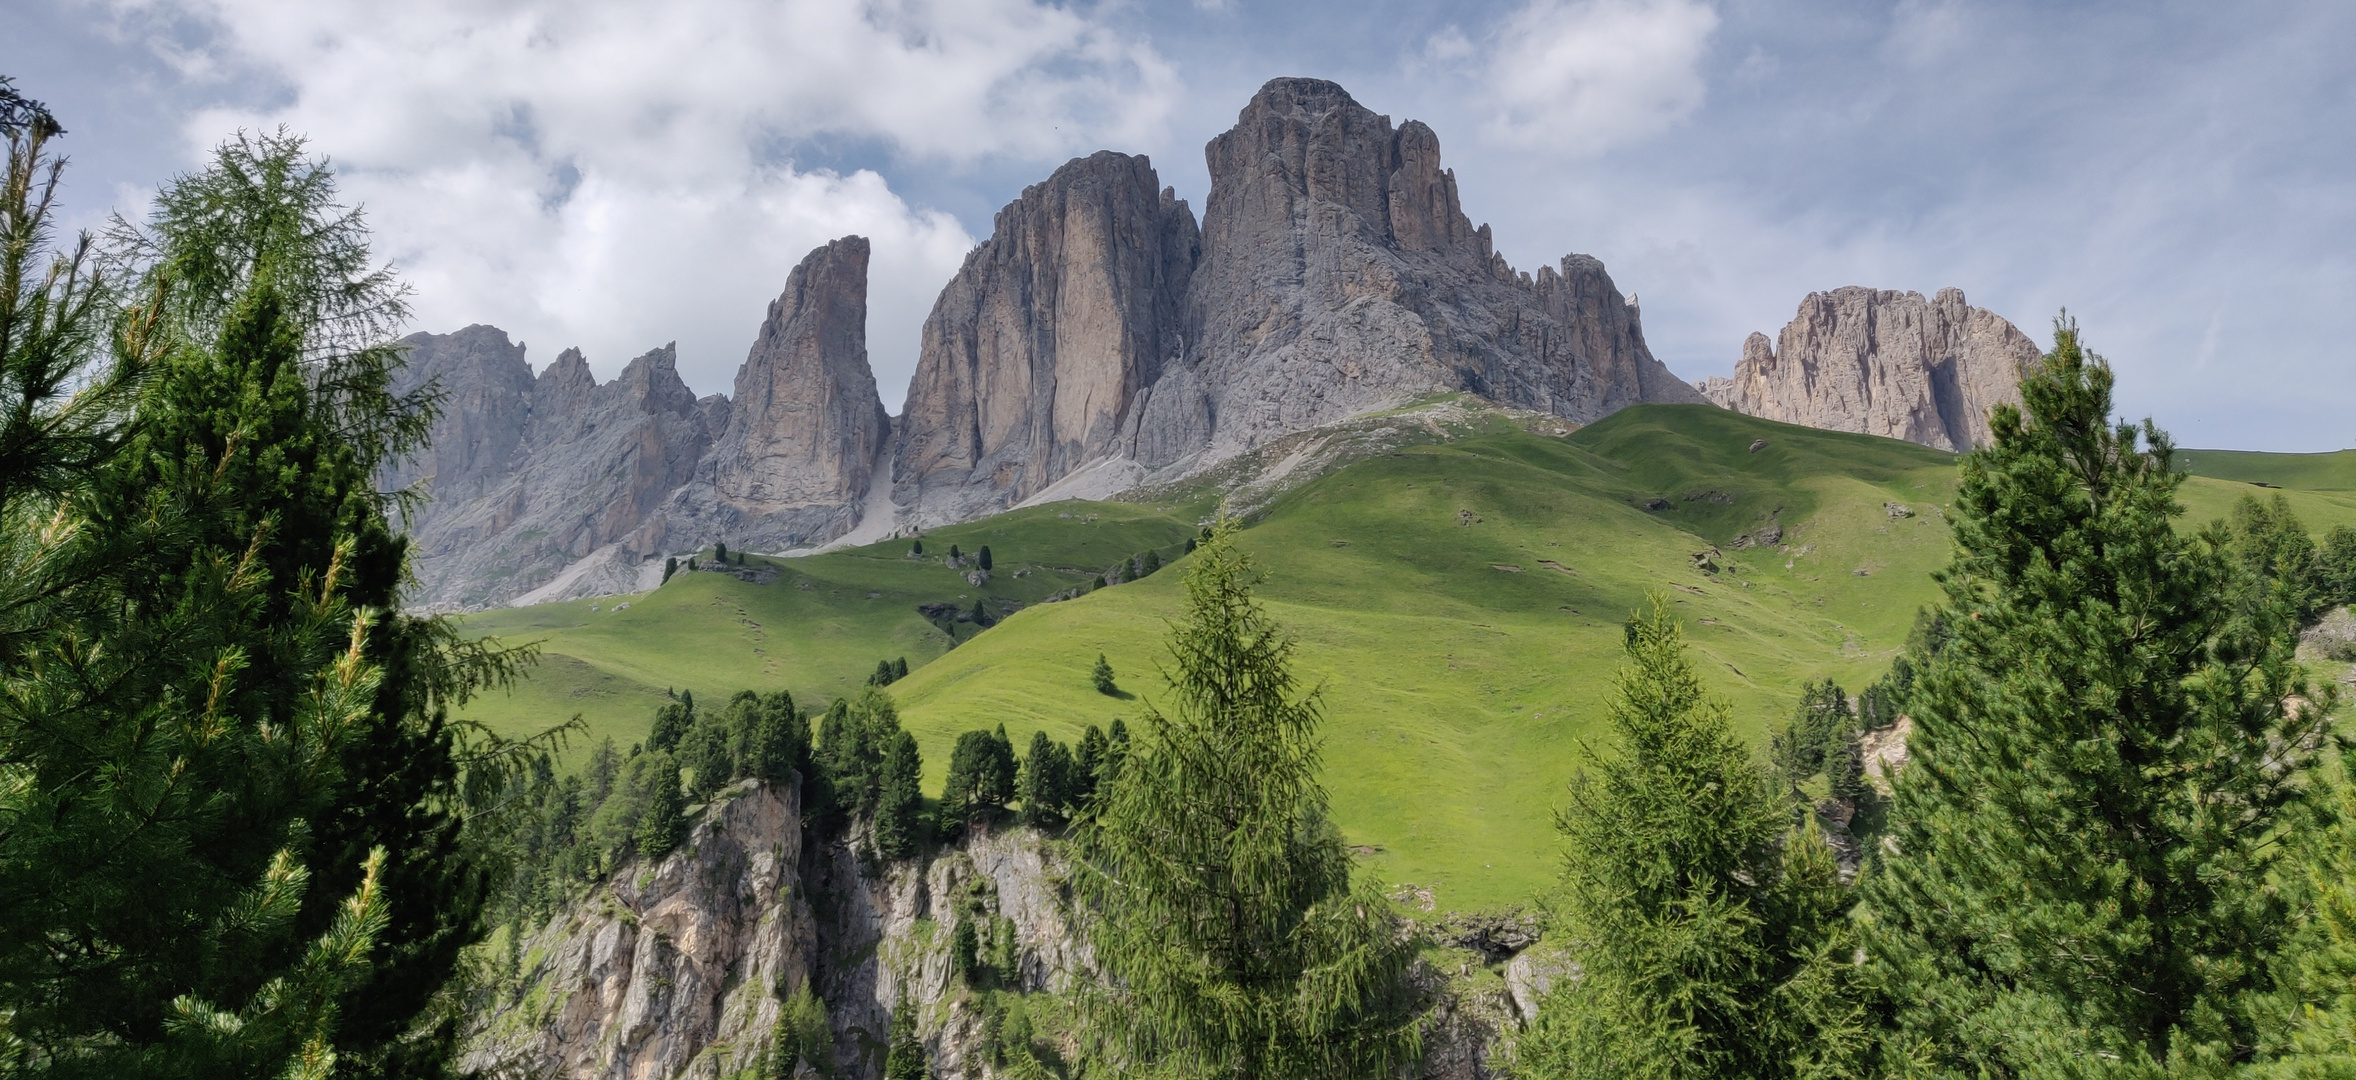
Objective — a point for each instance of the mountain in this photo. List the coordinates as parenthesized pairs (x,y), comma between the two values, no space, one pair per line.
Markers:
(1881,362)
(540,483)
(1098,341)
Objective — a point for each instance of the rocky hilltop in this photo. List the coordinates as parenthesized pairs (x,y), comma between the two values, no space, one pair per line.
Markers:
(1883,363)
(1098,341)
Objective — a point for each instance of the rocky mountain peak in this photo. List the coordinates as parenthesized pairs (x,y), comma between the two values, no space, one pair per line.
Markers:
(1033,358)
(1883,362)
(1097,340)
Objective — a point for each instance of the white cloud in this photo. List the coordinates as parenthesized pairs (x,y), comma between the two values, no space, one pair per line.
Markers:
(1581,76)
(603,172)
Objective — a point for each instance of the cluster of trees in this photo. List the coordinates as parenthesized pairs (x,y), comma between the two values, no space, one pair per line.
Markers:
(240,833)
(888,672)
(2116,850)
(1053,780)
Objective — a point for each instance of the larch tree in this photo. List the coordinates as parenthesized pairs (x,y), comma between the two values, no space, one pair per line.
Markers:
(1711,939)
(1218,894)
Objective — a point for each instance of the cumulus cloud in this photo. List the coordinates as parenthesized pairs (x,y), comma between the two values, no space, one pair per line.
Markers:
(1581,76)
(618,174)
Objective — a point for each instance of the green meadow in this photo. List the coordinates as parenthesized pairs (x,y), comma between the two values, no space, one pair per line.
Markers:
(1457,602)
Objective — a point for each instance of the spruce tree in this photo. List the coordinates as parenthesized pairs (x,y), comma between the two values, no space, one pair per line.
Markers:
(1088,763)
(904,1057)
(1103,677)
(1221,902)
(1711,942)
(983,559)
(2081,878)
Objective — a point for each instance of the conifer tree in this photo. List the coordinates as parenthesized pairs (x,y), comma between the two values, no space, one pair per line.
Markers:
(981,777)
(982,559)
(899,805)
(1221,898)
(1088,763)
(1710,942)
(1046,782)
(904,1057)
(665,818)
(2081,879)
(1103,677)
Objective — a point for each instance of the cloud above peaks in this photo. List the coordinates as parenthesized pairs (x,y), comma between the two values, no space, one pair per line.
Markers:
(618,174)
(1578,77)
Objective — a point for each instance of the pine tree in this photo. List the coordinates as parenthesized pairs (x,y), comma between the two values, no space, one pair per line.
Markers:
(1103,677)
(981,777)
(779,740)
(917,548)
(954,554)
(899,804)
(672,722)
(670,567)
(665,819)
(981,615)
(2080,879)
(1222,906)
(720,553)
(899,669)
(1710,946)
(983,558)
(2335,568)
(1045,785)
(1088,765)
(802,1035)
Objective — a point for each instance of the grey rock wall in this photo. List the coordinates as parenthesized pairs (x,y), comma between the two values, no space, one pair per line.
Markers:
(530,476)
(1339,275)
(1095,342)
(1034,356)
(1882,362)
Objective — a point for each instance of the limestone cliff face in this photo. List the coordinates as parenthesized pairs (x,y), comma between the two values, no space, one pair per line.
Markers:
(1097,341)
(1339,275)
(672,969)
(1035,353)
(803,438)
(1883,363)
(543,475)
(677,968)
(486,402)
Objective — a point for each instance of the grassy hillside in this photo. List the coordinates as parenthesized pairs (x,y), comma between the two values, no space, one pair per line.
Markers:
(1460,602)
(2335,471)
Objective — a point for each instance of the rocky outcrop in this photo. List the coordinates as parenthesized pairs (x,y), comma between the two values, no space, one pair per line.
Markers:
(674,969)
(1035,355)
(1883,363)
(1339,275)
(678,968)
(804,436)
(533,480)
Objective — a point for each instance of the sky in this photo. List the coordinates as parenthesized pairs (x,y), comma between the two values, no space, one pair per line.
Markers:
(615,174)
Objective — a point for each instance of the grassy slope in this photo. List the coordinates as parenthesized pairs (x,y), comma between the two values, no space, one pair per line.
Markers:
(2334,471)
(1458,694)
(817,629)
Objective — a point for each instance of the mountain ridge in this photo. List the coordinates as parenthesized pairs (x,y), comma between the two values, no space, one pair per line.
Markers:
(1099,339)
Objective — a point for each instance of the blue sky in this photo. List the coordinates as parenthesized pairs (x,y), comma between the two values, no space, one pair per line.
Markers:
(614,174)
